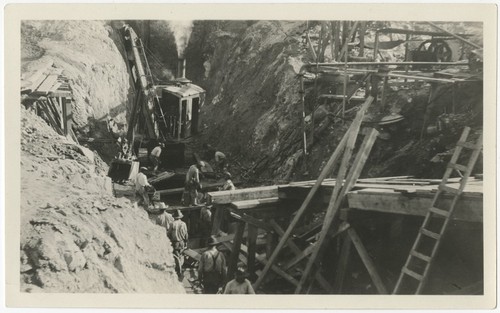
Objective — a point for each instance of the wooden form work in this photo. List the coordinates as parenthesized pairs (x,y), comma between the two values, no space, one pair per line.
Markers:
(347,143)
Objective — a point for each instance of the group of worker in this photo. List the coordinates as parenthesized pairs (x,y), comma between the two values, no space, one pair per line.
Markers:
(212,272)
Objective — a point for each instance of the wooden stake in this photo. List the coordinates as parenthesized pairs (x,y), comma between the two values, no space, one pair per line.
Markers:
(338,194)
(218,216)
(233,259)
(367,261)
(362,30)
(342,265)
(336,39)
(252,247)
(324,173)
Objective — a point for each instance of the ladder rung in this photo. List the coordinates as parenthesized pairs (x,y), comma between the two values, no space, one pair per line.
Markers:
(413,274)
(467,145)
(458,167)
(421,256)
(449,189)
(439,211)
(429,233)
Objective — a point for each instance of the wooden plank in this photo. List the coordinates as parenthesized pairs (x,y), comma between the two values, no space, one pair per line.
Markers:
(251,220)
(254,204)
(261,259)
(47,84)
(324,173)
(241,256)
(192,254)
(252,247)
(365,257)
(176,191)
(218,216)
(339,192)
(233,258)
(467,208)
(342,265)
(43,105)
(229,196)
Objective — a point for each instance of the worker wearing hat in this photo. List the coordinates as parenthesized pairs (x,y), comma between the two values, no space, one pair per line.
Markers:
(228,184)
(192,184)
(212,268)
(205,224)
(178,235)
(141,183)
(155,156)
(240,285)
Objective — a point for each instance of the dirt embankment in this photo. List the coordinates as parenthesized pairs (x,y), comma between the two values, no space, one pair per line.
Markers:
(97,72)
(75,235)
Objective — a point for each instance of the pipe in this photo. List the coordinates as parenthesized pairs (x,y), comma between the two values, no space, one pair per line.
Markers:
(181,68)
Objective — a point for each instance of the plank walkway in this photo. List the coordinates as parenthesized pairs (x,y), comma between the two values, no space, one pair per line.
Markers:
(400,195)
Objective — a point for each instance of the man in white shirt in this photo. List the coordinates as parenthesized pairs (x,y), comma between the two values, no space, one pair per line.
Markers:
(155,156)
(141,181)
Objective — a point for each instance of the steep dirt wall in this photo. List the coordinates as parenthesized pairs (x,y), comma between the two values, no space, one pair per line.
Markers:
(75,235)
(253,110)
(97,72)
(251,81)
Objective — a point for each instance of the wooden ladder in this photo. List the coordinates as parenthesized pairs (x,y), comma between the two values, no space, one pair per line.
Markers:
(415,271)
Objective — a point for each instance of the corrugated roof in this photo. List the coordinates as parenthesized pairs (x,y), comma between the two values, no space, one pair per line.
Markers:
(184,90)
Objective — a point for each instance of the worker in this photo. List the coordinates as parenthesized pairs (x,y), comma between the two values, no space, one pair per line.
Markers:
(155,156)
(220,161)
(228,184)
(141,186)
(205,224)
(212,268)
(208,152)
(240,285)
(192,184)
(163,218)
(178,235)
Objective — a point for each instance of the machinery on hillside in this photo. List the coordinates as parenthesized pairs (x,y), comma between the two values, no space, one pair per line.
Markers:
(167,113)
(160,112)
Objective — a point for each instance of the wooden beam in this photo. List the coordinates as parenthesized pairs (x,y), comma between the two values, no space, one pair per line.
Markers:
(252,247)
(229,196)
(367,261)
(324,173)
(340,191)
(362,30)
(251,220)
(192,254)
(218,217)
(311,47)
(233,258)
(261,259)
(342,265)
(348,39)
(336,40)
(468,208)
(254,204)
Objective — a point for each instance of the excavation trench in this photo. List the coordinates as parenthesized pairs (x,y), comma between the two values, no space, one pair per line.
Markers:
(262,107)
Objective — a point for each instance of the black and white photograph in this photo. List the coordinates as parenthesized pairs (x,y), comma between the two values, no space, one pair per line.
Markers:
(218,156)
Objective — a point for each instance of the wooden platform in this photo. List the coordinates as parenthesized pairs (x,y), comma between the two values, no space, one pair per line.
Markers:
(399,195)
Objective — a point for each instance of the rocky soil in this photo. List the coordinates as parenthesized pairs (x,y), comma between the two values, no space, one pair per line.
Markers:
(88,52)
(249,69)
(75,235)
